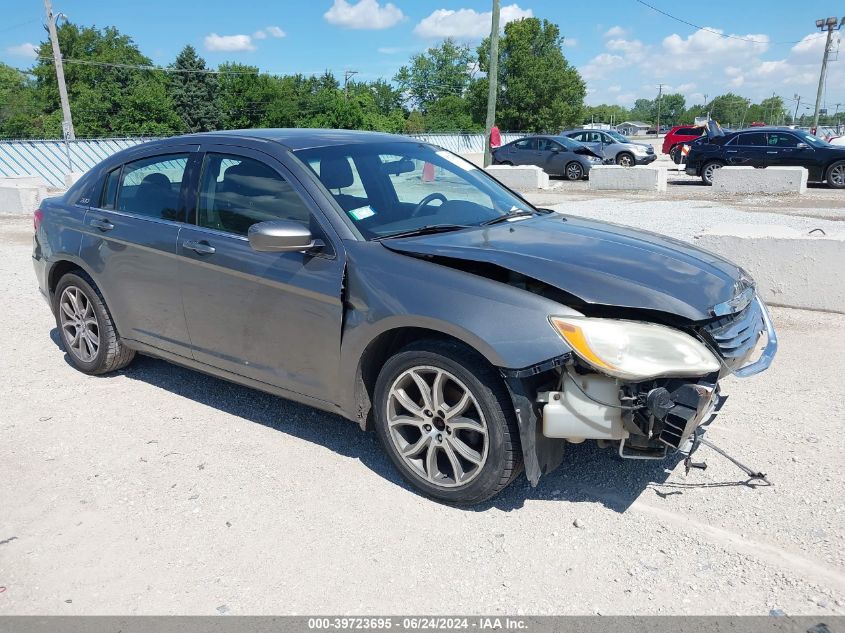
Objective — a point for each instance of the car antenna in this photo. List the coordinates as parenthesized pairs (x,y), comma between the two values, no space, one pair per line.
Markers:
(688,463)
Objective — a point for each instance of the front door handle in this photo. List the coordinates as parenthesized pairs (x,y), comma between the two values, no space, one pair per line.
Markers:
(102,224)
(201,248)
(771,152)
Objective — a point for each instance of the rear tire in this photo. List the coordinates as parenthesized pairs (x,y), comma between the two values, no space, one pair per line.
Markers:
(835,175)
(573,171)
(708,169)
(447,422)
(506,162)
(86,328)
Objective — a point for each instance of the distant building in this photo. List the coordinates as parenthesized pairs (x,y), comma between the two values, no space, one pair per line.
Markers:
(597,126)
(633,128)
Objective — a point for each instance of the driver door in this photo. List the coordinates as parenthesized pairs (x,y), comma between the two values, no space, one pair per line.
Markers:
(271,317)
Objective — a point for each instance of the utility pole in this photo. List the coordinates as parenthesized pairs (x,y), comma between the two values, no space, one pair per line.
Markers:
(67,121)
(492,80)
(659,94)
(830,24)
(346,75)
(797,103)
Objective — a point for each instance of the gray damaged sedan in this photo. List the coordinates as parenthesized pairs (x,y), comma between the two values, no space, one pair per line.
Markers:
(398,285)
(556,155)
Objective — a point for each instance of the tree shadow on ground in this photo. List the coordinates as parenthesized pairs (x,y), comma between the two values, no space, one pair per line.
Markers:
(588,474)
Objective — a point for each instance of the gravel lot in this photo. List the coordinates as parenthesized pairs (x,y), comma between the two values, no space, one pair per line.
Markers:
(159,490)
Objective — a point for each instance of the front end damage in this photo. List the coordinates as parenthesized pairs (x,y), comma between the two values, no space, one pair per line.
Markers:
(565,400)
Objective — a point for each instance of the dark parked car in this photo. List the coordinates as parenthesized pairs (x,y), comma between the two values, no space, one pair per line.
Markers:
(398,285)
(768,147)
(613,147)
(556,155)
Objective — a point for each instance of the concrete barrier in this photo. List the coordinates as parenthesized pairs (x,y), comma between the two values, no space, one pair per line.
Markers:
(21,198)
(792,267)
(772,180)
(617,178)
(520,177)
(36,181)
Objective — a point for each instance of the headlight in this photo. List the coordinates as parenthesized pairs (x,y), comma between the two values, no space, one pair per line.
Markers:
(639,149)
(633,350)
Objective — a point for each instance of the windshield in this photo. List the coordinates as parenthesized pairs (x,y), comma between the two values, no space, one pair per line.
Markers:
(811,140)
(393,188)
(616,136)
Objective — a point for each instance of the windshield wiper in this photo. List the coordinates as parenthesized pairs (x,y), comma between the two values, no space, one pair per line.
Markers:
(506,217)
(423,230)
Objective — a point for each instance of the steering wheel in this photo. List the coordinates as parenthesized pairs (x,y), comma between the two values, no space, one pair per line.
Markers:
(426,201)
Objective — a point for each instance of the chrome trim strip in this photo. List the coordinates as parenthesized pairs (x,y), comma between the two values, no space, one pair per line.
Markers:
(768,355)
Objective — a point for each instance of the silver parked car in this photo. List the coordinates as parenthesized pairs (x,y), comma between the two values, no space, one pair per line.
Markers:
(556,155)
(614,147)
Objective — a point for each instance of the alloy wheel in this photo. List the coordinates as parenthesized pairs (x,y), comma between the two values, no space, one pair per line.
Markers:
(626,161)
(709,170)
(437,427)
(837,175)
(80,328)
(574,171)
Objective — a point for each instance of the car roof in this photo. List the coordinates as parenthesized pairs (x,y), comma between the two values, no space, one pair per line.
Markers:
(295,138)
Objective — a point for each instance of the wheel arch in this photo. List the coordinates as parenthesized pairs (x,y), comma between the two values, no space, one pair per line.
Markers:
(386,344)
(60,268)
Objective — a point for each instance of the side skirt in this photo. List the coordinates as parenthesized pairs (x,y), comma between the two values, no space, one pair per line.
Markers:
(190,363)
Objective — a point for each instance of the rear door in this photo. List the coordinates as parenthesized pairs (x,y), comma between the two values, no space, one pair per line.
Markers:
(525,152)
(272,317)
(129,244)
(551,156)
(750,149)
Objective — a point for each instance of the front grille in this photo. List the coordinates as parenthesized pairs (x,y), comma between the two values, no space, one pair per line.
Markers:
(736,335)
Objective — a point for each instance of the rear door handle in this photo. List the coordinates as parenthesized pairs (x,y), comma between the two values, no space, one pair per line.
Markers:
(102,224)
(771,152)
(201,248)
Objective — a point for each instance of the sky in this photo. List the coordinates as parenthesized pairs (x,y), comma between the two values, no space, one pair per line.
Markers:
(622,48)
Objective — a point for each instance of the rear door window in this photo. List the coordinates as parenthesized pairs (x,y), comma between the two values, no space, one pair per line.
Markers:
(151,187)
(752,139)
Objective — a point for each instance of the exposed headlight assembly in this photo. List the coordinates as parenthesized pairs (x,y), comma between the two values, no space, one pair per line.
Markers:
(633,350)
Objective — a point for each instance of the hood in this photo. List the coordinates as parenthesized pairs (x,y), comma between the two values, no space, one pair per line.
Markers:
(598,263)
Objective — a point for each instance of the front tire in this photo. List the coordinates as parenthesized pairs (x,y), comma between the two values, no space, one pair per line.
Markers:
(836,175)
(574,171)
(86,328)
(447,423)
(625,159)
(708,170)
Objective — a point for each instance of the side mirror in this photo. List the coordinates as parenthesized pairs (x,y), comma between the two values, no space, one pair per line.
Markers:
(802,146)
(281,236)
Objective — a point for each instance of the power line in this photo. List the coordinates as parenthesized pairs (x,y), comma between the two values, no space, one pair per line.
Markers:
(89,62)
(713,31)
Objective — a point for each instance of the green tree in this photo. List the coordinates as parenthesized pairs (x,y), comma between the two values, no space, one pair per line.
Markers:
(194,92)
(107,94)
(450,114)
(730,110)
(439,72)
(19,111)
(644,110)
(605,113)
(415,123)
(672,108)
(539,89)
